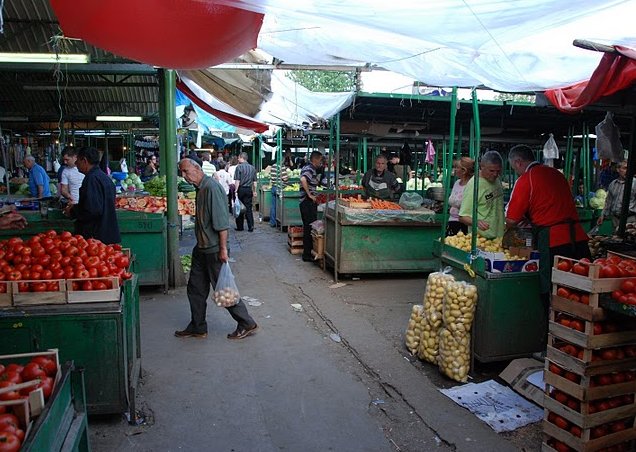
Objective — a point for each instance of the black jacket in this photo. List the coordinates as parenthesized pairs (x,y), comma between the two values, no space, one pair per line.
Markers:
(95,212)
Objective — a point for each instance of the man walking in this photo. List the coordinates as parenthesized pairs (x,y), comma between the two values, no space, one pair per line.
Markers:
(309,180)
(209,254)
(245,183)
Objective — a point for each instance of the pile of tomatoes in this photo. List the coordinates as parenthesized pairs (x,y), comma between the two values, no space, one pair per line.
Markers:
(603,354)
(611,267)
(41,370)
(599,327)
(573,295)
(595,432)
(627,292)
(37,262)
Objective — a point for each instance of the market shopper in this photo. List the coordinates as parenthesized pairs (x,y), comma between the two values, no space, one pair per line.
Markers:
(245,185)
(208,168)
(614,200)
(151,170)
(71,179)
(542,196)
(309,181)
(38,179)
(95,212)
(209,254)
(379,182)
(464,169)
(490,205)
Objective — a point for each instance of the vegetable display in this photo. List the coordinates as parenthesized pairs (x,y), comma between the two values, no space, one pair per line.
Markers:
(156,186)
(131,183)
(384,205)
(433,306)
(39,263)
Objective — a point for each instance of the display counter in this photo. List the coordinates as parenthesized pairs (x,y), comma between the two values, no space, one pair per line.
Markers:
(510,320)
(381,241)
(144,233)
(102,338)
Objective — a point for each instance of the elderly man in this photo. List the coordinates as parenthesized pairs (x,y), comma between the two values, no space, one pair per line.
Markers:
(379,182)
(614,201)
(209,254)
(490,205)
(95,212)
(38,179)
(542,196)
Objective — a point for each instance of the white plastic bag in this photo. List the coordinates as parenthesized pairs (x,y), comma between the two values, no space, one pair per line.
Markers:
(550,149)
(410,201)
(226,293)
(239,207)
(608,139)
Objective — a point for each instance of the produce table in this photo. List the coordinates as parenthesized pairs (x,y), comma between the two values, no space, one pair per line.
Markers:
(144,233)
(102,338)
(373,241)
(510,320)
(62,426)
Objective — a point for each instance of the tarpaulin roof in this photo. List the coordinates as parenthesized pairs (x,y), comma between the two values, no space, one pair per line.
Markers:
(507,45)
(615,72)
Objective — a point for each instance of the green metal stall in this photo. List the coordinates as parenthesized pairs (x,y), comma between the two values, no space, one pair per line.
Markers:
(287,209)
(372,241)
(102,338)
(264,201)
(510,320)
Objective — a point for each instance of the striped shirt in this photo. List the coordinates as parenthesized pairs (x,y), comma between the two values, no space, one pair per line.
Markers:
(310,174)
(245,174)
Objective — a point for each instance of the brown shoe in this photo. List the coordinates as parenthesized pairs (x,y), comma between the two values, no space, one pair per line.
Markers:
(242,333)
(187,333)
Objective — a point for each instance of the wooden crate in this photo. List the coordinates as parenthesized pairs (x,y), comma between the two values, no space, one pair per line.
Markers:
(593,311)
(591,283)
(318,244)
(6,299)
(586,420)
(19,408)
(294,242)
(585,443)
(37,298)
(355,203)
(295,231)
(295,251)
(93,296)
(587,338)
(584,390)
(586,366)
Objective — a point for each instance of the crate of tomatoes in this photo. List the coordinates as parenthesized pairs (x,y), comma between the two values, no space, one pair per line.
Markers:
(27,381)
(601,275)
(47,267)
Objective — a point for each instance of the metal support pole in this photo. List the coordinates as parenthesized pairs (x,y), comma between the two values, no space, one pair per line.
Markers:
(447,175)
(627,192)
(168,155)
(336,254)
(475,143)
(279,162)
(365,151)
(359,163)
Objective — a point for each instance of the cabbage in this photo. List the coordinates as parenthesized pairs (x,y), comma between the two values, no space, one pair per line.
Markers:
(600,193)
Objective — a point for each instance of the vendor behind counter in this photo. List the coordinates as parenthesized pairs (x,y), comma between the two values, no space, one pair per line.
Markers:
(379,182)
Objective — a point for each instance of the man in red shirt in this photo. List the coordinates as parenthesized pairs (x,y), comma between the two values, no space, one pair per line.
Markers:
(542,196)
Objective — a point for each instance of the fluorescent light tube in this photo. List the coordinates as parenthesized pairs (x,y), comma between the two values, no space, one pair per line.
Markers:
(71,58)
(119,118)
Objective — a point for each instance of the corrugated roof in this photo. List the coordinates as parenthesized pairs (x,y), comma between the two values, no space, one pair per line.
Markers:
(30,26)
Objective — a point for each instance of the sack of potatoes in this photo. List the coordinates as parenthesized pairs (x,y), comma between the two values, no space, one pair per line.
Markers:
(227,297)
(433,306)
(459,306)
(414,328)
(454,355)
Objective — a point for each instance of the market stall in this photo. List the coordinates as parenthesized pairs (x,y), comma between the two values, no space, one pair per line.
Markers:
(380,241)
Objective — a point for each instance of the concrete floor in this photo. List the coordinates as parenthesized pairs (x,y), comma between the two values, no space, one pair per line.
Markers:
(290,386)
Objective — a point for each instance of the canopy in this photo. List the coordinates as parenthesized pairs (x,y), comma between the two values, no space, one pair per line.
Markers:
(506,45)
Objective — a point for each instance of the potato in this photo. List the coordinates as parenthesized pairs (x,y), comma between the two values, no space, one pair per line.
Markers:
(432,322)
(454,355)
(226,297)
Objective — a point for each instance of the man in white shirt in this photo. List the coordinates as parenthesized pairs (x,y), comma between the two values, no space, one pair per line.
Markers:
(71,179)
(208,168)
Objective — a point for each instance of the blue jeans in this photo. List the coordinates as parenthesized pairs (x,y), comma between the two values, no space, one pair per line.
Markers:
(272,208)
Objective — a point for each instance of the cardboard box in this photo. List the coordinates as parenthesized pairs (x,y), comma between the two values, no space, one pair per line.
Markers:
(496,263)
(525,376)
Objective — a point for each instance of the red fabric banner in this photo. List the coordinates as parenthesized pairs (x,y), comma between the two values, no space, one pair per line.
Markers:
(614,73)
(231,119)
(175,34)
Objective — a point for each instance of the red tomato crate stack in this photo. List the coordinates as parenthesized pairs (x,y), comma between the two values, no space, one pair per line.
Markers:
(590,367)
(295,239)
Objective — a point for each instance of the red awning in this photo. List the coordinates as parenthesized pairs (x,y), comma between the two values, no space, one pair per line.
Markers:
(614,73)
(175,34)
(230,118)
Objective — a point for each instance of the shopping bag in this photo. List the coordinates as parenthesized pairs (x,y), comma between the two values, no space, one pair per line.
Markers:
(226,293)
(239,207)
(550,149)
(608,139)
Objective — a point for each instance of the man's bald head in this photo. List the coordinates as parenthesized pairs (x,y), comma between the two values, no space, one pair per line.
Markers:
(191,171)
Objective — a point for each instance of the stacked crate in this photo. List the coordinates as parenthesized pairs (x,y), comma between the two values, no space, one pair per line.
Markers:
(295,239)
(590,371)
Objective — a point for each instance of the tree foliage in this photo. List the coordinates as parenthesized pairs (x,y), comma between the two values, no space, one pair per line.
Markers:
(324,81)
(515,97)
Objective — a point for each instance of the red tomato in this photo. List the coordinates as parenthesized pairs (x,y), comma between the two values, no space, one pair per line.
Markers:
(38,251)
(577,325)
(13,367)
(47,274)
(87,285)
(585,299)
(564,265)
(38,287)
(604,380)
(580,269)
(32,371)
(92,261)
(51,233)
(58,274)
(3,287)
(609,271)
(65,236)
(47,364)
(52,286)
(24,287)
(628,286)
(576,431)
(9,442)
(65,261)
(561,423)
(93,272)
(9,419)
(116,247)
(99,285)
(10,395)
(598,328)
(122,262)
(103,270)
(608,354)
(126,275)
(616,295)
(11,376)
(82,274)
(575,297)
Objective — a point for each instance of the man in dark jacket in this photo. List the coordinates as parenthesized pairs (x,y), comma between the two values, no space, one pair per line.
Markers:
(95,212)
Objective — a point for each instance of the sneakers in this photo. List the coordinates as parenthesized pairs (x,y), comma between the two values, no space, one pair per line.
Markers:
(187,333)
(242,333)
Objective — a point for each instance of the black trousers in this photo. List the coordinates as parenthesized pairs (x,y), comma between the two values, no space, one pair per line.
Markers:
(204,272)
(309,214)
(246,196)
